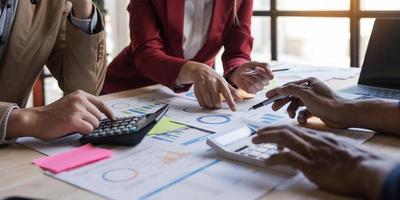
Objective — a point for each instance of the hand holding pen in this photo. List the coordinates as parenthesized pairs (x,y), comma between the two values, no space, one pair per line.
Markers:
(252,83)
(317,98)
(255,71)
(273,98)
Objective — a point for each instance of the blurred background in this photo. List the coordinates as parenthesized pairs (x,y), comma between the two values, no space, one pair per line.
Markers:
(318,32)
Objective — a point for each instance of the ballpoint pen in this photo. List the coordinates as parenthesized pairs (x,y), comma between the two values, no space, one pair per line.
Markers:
(272,99)
(254,72)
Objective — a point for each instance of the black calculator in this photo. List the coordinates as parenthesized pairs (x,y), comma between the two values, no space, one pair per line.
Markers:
(126,131)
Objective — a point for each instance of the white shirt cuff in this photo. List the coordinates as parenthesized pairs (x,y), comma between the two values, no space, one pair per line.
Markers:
(86,25)
(3,125)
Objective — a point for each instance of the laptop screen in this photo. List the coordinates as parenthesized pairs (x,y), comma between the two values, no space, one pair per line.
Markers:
(381,66)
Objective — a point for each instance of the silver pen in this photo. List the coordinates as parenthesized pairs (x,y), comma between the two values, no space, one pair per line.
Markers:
(272,99)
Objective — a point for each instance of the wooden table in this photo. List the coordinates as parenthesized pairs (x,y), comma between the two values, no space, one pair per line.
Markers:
(19,177)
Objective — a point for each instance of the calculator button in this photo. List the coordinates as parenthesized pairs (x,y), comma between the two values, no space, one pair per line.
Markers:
(269,146)
(254,154)
(265,156)
(262,149)
(251,148)
(272,151)
(245,151)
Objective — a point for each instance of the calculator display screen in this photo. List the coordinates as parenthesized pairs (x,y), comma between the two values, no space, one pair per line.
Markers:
(234,136)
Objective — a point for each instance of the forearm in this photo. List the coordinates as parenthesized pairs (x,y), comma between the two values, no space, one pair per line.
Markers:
(379,115)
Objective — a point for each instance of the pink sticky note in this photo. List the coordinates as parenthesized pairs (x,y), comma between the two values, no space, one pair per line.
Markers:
(72,159)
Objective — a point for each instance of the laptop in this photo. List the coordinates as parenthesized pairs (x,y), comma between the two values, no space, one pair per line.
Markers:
(380,73)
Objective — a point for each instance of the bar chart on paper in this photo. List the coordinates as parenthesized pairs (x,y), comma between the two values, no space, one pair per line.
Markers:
(133,107)
(270,118)
(261,119)
(141,173)
(190,95)
(183,136)
(141,110)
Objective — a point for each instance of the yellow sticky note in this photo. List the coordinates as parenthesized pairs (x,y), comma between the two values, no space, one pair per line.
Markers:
(165,125)
(243,94)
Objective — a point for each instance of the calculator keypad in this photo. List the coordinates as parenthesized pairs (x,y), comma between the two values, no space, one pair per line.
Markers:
(261,151)
(118,127)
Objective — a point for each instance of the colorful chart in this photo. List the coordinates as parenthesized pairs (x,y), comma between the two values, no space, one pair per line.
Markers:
(120,105)
(142,110)
(120,175)
(183,136)
(171,136)
(190,94)
(193,110)
(269,118)
(170,156)
(195,140)
(214,119)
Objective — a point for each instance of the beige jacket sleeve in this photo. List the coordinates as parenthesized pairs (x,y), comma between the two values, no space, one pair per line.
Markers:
(5,110)
(78,60)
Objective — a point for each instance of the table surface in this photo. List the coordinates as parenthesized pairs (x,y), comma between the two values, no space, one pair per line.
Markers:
(20,178)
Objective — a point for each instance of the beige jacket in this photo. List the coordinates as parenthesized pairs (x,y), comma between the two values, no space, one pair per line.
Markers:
(43,35)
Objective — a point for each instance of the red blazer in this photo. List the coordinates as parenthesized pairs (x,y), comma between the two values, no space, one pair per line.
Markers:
(155,54)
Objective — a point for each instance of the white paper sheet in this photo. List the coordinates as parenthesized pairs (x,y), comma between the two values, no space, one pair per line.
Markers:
(324,73)
(155,171)
(51,147)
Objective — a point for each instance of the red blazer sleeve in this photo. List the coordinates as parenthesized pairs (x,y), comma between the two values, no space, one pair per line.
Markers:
(239,42)
(147,46)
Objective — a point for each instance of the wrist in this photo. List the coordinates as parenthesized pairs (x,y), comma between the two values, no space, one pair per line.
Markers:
(19,123)
(373,172)
(350,112)
(230,77)
(187,72)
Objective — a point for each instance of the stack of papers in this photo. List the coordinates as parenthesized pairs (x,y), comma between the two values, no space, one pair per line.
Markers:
(174,160)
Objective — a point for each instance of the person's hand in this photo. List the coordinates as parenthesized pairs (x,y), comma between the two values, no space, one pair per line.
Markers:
(331,162)
(82,9)
(76,112)
(318,98)
(252,83)
(208,85)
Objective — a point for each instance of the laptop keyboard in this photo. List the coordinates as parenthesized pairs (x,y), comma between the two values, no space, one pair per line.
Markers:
(377,92)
